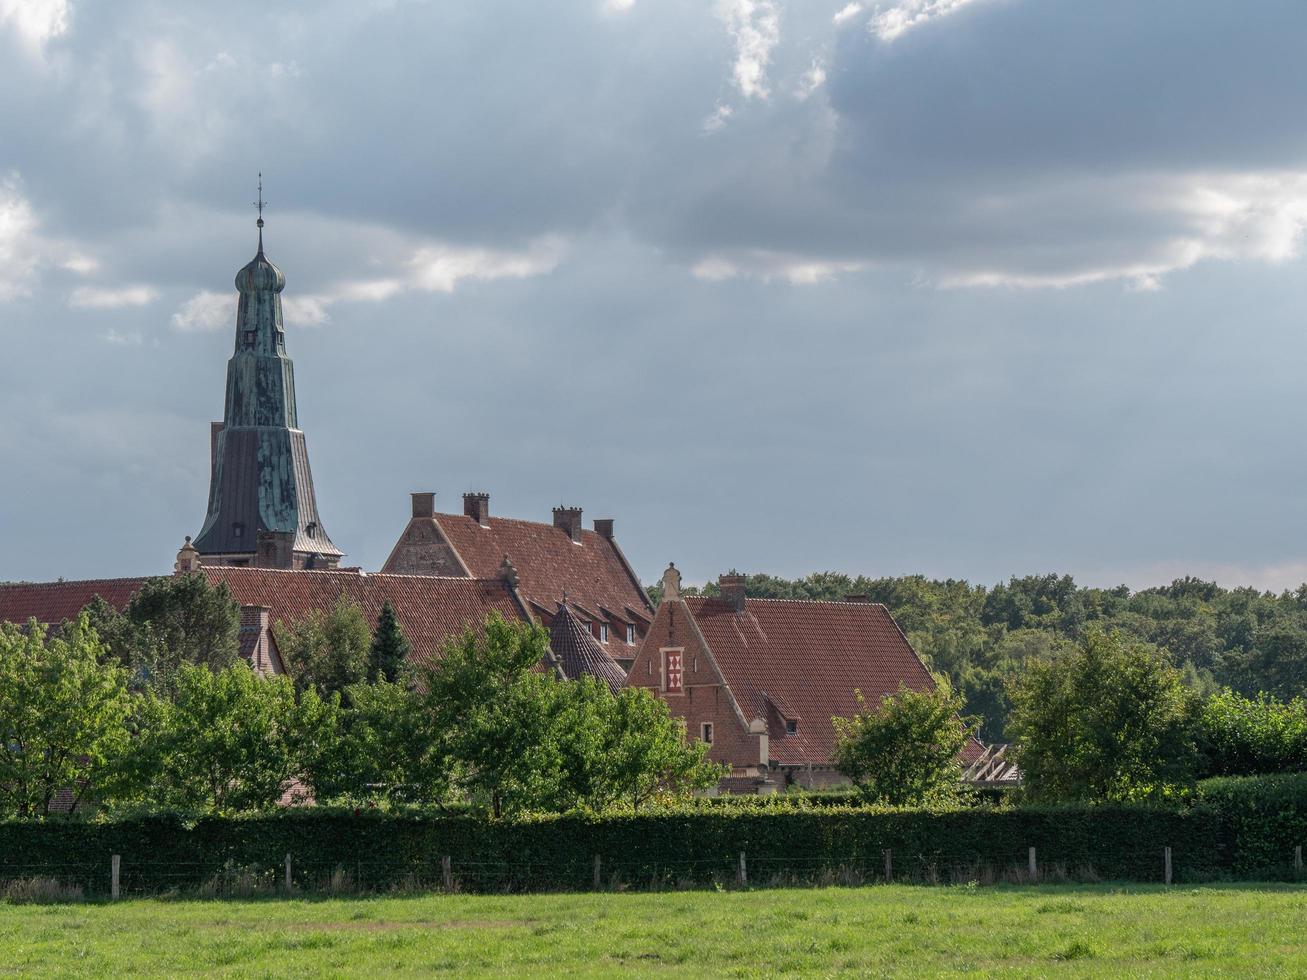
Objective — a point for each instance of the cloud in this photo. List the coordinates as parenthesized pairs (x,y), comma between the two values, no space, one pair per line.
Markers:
(768,266)
(755,26)
(617,6)
(18,254)
(811,80)
(847,13)
(36,21)
(133,338)
(206,310)
(94,298)
(906,15)
(440,268)
(83,265)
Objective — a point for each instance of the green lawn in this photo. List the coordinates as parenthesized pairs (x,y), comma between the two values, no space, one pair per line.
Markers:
(1057,929)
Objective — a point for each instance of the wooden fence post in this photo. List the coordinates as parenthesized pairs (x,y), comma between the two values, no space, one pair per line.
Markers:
(288,878)
(889,865)
(447,873)
(1034,868)
(598,873)
(1297,858)
(1166,858)
(115,864)
(743,877)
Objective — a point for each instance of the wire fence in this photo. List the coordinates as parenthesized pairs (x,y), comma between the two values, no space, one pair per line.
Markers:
(125,875)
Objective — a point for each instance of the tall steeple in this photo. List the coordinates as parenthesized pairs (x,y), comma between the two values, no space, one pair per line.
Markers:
(262,509)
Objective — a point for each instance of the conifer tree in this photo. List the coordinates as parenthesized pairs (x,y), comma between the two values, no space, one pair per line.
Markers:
(390,648)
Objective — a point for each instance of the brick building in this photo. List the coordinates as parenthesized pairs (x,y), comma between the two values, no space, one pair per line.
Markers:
(552,563)
(760,679)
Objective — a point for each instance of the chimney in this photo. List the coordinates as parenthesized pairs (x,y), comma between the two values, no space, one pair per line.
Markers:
(569,520)
(274,549)
(508,572)
(604,527)
(477,507)
(424,504)
(732,586)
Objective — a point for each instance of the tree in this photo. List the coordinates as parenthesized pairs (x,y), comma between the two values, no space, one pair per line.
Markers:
(906,750)
(180,619)
(380,750)
(388,657)
(229,740)
(327,651)
(489,717)
(1111,720)
(1239,736)
(643,750)
(63,716)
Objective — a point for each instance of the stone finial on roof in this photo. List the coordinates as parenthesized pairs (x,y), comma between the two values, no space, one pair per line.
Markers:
(508,572)
(188,559)
(671,582)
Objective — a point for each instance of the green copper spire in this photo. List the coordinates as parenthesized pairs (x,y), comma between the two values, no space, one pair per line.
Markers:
(261,495)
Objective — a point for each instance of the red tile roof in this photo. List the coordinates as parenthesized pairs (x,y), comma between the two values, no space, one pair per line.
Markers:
(430,609)
(592,572)
(51,603)
(580,653)
(790,659)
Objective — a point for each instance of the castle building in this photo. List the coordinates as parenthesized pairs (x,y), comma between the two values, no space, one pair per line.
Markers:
(559,562)
(262,509)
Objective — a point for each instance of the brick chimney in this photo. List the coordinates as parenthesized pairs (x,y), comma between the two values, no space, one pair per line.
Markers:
(477,507)
(274,549)
(569,520)
(732,586)
(604,527)
(424,504)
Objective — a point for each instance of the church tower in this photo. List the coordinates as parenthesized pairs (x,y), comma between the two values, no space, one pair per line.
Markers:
(262,509)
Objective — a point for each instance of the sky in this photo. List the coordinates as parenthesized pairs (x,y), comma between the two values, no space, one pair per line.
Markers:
(966,288)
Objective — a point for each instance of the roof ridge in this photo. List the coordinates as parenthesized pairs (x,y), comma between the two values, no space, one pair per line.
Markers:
(811,602)
(78,581)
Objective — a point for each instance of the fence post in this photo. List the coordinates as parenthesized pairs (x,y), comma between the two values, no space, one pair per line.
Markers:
(598,873)
(743,876)
(288,879)
(1034,868)
(1297,858)
(115,864)
(446,873)
(1166,858)
(889,865)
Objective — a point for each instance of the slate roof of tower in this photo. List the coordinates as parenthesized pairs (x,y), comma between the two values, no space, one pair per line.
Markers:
(578,652)
(796,659)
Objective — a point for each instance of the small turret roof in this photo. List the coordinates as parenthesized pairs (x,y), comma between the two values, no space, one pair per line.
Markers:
(578,652)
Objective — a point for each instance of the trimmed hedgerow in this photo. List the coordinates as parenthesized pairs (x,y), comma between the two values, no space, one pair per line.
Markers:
(1235,828)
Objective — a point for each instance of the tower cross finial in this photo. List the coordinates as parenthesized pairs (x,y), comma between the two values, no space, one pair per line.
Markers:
(260,204)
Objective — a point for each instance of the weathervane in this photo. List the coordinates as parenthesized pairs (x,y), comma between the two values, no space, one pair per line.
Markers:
(260,204)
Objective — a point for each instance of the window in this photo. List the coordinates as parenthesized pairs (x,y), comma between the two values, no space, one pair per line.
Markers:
(791,727)
(249,338)
(673,680)
(237,529)
(281,338)
(630,633)
(603,632)
(705,732)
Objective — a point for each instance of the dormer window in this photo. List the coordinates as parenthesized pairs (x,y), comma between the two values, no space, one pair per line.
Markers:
(603,632)
(630,633)
(237,529)
(281,338)
(791,727)
(311,529)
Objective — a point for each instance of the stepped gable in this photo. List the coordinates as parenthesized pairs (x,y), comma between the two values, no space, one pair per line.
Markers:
(578,652)
(797,660)
(50,603)
(430,610)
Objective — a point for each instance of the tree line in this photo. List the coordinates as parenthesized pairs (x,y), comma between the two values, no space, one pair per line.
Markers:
(153,708)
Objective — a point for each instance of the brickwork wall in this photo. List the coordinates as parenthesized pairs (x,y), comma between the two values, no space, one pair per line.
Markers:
(704,698)
(423,550)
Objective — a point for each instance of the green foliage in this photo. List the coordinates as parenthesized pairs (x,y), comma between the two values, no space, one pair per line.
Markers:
(327,651)
(982,637)
(904,751)
(390,648)
(227,740)
(379,751)
(182,619)
(63,714)
(1241,736)
(1110,721)
(1264,819)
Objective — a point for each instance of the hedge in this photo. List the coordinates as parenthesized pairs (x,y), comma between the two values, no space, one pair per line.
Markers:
(1237,828)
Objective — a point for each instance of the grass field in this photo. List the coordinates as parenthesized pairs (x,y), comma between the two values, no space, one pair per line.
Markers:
(1062,930)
